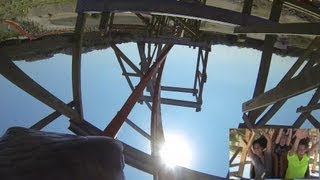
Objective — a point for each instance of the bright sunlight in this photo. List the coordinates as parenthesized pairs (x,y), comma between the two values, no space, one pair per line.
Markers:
(176,151)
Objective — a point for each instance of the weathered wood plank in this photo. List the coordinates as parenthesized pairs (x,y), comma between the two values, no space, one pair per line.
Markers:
(266,57)
(175,102)
(116,123)
(297,85)
(48,119)
(309,108)
(300,120)
(14,74)
(76,64)
(172,8)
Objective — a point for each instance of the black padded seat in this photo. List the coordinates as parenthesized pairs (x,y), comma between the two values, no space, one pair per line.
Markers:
(27,154)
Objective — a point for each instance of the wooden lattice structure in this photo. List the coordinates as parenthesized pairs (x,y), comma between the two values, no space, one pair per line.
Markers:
(168,23)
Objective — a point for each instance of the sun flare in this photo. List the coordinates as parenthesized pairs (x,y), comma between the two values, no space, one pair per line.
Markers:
(176,151)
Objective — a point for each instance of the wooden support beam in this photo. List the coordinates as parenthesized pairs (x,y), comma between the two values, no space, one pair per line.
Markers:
(157,133)
(297,85)
(247,6)
(126,59)
(138,129)
(48,119)
(269,114)
(184,25)
(314,45)
(175,102)
(275,107)
(235,155)
(242,125)
(247,122)
(266,57)
(203,76)
(244,152)
(124,72)
(262,73)
(289,29)
(104,21)
(172,8)
(308,108)
(264,65)
(312,120)
(84,128)
(246,9)
(76,64)
(131,74)
(14,74)
(178,89)
(143,19)
(276,10)
(197,70)
(143,58)
(300,120)
(116,123)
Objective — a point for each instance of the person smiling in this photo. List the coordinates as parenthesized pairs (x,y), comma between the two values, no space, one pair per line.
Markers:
(259,151)
(299,155)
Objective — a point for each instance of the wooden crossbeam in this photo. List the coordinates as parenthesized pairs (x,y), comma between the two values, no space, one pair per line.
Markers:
(173,8)
(157,134)
(263,72)
(267,51)
(126,59)
(300,120)
(143,58)
(246,9)
(314,45)
(203,75)
(196,73)
(76,63)
(178,89)
(247,6)
(297,85)
(124,71)
(14,74)
(289,29)
(131,74)
(48,119)
(309,108)
(175,102)
(143,19)
(275,107)
(116,123)
(105,18)
(235,155)
(242,125)
(312,120)
(244,152)
(138,129)
(265,58)
(185,26)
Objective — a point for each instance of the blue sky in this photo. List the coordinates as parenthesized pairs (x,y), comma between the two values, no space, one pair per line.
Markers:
(231,72)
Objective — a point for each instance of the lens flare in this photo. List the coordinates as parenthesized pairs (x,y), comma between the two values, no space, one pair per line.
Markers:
(176,151)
